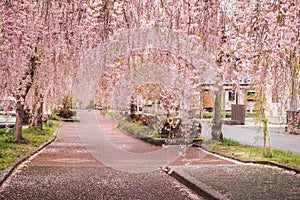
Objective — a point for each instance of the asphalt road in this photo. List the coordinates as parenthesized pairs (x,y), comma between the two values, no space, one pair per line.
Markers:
(253,135)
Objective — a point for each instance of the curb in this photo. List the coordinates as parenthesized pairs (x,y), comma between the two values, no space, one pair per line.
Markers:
(70,120)
(8,171)
(195,185)
(207,192)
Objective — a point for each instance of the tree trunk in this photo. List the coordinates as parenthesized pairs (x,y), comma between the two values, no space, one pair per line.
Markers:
(265,129)
(37,121)
(17,133)
(38,118)
(266,136)
(21,96)
(217,120)
(270,144)
(264,119)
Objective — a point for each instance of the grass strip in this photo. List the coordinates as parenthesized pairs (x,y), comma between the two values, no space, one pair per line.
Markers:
(242,152)
(32,139)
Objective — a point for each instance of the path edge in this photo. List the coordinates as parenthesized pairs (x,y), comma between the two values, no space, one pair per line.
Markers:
(195,185)
(8,171)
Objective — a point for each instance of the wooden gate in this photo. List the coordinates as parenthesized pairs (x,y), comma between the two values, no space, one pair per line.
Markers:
(238,113)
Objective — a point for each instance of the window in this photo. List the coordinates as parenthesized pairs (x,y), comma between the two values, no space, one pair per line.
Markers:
(231,95)
(251,96)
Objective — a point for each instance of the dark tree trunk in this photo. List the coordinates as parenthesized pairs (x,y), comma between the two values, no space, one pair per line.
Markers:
(38,118)
(17,133)
(217,120)
(21,96)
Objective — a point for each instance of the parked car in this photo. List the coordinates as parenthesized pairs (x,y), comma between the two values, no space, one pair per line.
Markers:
(8,112)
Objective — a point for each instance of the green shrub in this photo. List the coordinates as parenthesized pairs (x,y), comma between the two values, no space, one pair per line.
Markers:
(207,115)
(134,128)
(228,114)
(252,115)
(111,113)
(49,124)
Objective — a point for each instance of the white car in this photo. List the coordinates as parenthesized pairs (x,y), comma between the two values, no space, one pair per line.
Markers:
(8,112)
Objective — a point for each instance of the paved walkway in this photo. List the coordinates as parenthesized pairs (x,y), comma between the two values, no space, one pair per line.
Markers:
(73,168)
(68,169)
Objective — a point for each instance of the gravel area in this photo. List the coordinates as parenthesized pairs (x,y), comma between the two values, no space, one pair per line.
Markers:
(42,182)
(247,181)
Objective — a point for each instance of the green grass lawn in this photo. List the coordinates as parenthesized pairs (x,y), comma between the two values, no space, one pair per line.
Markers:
(247,153)
(10,152)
